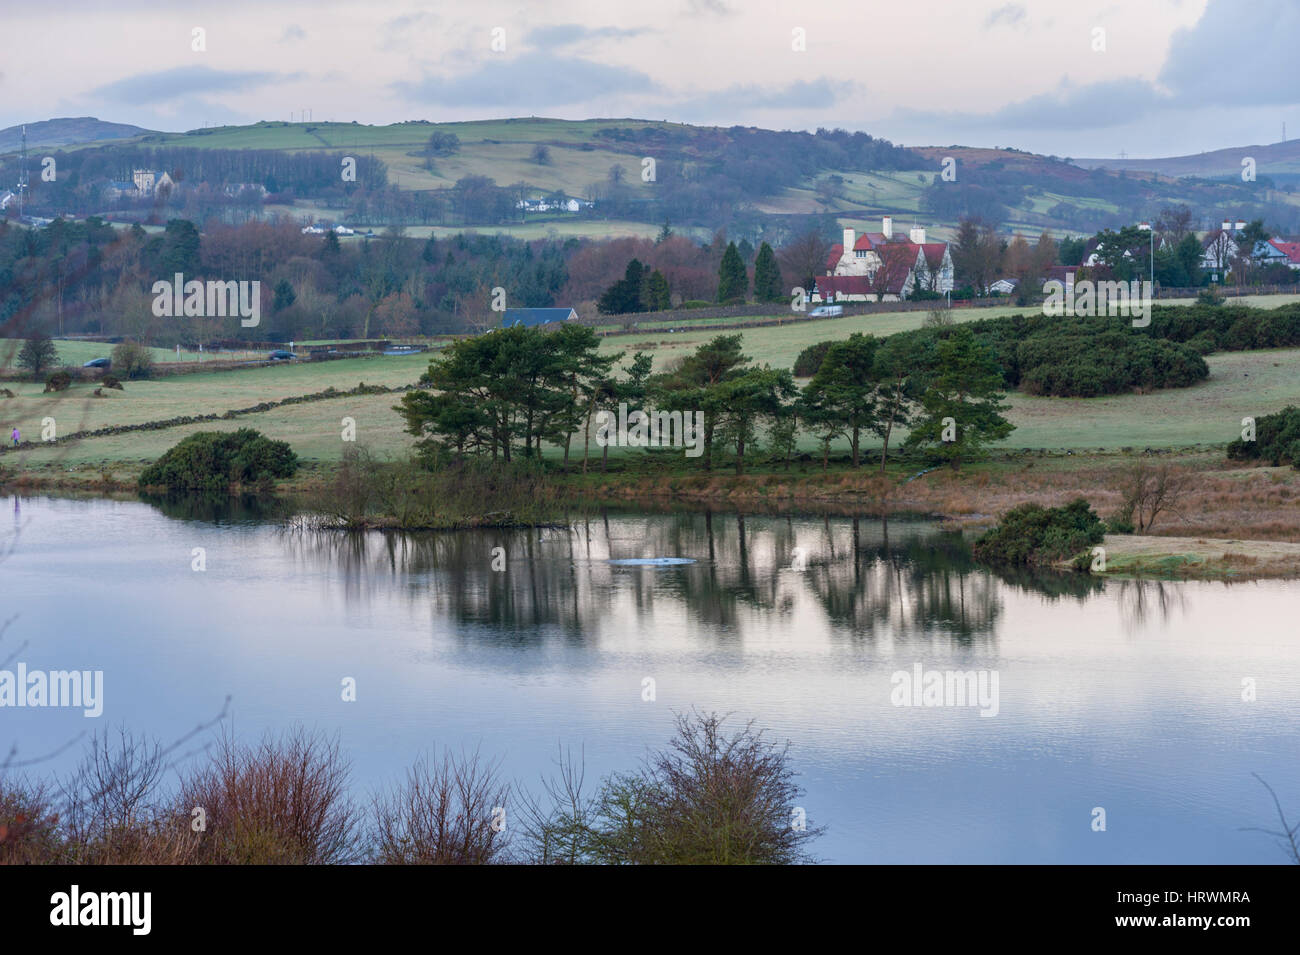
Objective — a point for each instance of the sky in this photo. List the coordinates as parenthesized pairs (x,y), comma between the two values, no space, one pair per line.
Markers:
(1059,77)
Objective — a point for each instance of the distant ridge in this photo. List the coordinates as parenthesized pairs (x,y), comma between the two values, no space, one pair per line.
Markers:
(68,131)
(1274,158)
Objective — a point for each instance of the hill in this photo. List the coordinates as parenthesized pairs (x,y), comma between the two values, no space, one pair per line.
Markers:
(1278,159)
(66,132)
(704,178)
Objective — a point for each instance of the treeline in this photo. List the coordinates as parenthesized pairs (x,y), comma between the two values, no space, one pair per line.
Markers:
(506,394)
(88,277)
(643,289)
(82,175)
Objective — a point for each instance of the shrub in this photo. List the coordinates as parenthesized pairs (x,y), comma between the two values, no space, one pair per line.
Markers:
(810,359)
(443,814)
(133,359)
(111,381)
(1277,440)
(711,798)
(1033,534)
(214,460)
(59,381)
(28,824)
(696,303)
(281,802)
(1211,295)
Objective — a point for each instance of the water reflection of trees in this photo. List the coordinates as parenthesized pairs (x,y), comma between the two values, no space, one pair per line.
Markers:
(219,508)
(1140,600)
(868,577)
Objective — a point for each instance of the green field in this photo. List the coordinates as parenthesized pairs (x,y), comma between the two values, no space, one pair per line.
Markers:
(72,352)
(1241,384)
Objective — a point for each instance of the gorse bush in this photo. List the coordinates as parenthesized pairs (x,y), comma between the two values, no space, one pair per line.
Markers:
(214,460)
(59,381)
(1079,366)
(1277,440)
(133,360)
(1033,534)
(810,359)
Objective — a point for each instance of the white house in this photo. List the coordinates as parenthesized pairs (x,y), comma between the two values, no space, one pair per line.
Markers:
(147,182)
(883,266)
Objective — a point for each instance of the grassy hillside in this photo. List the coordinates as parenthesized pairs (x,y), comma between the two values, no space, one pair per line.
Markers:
(1037,193)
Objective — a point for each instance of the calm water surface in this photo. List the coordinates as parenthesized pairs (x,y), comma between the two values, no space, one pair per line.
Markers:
(1124,696)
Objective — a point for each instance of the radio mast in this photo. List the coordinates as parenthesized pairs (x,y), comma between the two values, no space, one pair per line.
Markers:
(22,176)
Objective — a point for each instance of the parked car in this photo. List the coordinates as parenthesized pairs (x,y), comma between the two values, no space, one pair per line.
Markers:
(280,355)
(99,363)
(827,311)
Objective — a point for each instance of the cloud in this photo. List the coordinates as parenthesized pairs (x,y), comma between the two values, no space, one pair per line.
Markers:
(181,81)
(1236,53)
(802,94)
(535,80)
(1012,15)
(566,34)
(293,32)
(715,7)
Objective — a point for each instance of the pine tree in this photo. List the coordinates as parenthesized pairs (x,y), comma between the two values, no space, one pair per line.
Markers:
(960,407)
(767,276)
(656,295)
(733,281)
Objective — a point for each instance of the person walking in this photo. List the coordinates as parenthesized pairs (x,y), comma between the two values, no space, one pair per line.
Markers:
(16,436)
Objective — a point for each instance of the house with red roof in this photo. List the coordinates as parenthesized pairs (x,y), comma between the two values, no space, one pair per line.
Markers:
(884,267)
(1290,251)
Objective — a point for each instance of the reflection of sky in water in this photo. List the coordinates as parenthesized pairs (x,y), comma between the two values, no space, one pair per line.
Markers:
(1127,699)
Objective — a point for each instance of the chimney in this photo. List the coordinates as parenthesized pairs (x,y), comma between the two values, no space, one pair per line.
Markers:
(887,226)
(917,235)
(1227,226)
(850,237)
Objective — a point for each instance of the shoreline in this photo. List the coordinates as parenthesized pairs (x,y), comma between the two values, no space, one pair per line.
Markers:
(1242,524)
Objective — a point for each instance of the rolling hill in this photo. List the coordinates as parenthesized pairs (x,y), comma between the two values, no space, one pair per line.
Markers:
(1276,159)
(66,132)
(821,176)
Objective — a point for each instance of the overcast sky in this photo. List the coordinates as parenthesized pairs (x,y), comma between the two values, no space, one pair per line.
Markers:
(1175,76)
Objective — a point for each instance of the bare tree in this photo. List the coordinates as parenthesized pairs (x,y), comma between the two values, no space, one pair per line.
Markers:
(1288,835)
(804,258)
(1150,491)
(1173,223)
